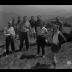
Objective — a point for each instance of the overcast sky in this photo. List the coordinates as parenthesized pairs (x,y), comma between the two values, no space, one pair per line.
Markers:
(54,10)
(36,9)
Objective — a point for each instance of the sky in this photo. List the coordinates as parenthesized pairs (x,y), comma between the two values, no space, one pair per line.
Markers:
(14,10)
(36,9)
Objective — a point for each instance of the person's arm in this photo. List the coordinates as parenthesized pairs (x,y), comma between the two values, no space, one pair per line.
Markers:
(6,32)
(63,36)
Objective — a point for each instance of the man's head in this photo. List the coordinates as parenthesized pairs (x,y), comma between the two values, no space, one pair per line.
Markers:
(38,17)
(25,18)
(32,17)
(18,19)
(57,17)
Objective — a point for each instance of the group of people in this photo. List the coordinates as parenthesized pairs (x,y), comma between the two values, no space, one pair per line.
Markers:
(39,31)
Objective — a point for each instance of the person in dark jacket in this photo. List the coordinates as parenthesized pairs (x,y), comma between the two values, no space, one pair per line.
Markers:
(13,21)
(41,35)
(17,25)
(33,27)
(38,23)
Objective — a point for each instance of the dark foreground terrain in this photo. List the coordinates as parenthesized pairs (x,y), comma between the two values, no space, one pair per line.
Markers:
(28,60)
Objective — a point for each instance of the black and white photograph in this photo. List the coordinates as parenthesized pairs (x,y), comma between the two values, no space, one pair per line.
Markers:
(35,36)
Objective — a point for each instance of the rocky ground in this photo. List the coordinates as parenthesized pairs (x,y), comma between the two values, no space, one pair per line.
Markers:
(28,60)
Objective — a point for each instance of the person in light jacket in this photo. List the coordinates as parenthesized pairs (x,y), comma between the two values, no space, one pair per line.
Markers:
(10,35)
(23,35)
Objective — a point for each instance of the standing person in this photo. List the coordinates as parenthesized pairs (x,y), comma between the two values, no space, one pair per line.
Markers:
(41,40)
(10,34)
(33,25)
(23,35)
(14,25)
(13,22)
(18,20)
(56,44)
(17,24)
(38,23)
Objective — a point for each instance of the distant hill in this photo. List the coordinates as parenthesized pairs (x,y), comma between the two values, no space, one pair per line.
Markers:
(69,20)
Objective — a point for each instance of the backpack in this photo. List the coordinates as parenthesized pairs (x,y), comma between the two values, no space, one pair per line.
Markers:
(55,39)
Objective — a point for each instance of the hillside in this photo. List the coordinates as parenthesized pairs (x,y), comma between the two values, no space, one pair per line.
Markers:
(69,20)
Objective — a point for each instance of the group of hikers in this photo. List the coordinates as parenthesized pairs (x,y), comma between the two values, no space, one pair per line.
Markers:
(39,32)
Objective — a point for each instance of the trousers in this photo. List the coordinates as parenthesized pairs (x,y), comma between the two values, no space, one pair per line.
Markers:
(41,44)
(23,36)
(9,40)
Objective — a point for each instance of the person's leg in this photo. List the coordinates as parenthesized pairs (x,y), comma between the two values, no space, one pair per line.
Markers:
(38,49)
(38,45)
(26,41)
(21,44)
(53,58)
(21,41)
(58,47)
(12,45)
(34,35)
(7,44)
(43,50)
(43,46)
(56,50)
(35,31)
